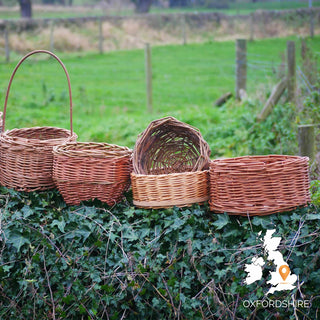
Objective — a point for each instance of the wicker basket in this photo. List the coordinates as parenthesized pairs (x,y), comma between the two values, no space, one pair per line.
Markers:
(26,157)
(88,170)
(170,164)
(259,185)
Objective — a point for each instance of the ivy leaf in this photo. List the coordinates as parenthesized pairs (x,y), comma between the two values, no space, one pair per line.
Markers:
(27,211)
(130,235)
(61,224)
(130,212)
(295,217)
(84,232)
(313,216)
(265,223)
(223,220)
(218,259)
(177,223)
(17,239)
(220,273)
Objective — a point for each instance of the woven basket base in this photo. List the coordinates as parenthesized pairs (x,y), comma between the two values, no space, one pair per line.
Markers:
(169,190)
(169,204)
(74,193)
(260,210)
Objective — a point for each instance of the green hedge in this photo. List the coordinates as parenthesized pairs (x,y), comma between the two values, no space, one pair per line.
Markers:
(96,262)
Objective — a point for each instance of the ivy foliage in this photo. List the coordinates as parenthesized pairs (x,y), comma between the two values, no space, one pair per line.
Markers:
(96,262)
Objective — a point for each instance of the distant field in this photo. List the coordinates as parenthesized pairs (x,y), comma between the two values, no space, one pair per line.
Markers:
(81,9)
(245,8)
(109,90)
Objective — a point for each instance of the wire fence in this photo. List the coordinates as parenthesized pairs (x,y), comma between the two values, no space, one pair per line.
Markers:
(103,33)
(125,83)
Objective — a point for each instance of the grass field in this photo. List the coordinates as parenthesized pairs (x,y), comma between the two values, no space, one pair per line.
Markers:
(246,8)
(109,90)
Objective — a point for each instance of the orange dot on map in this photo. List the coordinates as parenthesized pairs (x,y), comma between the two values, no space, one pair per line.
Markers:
(284,271)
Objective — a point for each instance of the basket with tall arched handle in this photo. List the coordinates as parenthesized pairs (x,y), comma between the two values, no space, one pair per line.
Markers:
(26,158)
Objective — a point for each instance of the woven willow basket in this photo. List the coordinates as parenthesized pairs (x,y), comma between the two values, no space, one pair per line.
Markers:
(88,170)
(170,166)
(26,157)
(259,185)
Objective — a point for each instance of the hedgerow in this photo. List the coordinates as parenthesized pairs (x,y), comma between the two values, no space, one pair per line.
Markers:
(96,262)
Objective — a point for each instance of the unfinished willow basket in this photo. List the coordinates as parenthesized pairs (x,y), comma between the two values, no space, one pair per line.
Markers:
(87,170)
(26,157)
(170,162)
(259,185)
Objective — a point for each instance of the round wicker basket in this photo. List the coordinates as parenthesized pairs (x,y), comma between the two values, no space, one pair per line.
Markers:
(26,157)
(170,146)
(88,170)
(170,164)
(259,185)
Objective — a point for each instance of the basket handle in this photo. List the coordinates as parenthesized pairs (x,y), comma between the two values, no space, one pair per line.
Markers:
(14,72)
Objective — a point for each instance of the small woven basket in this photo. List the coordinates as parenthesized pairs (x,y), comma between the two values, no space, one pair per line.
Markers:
(88,170)
(259,185)
(26,157)
(170,164)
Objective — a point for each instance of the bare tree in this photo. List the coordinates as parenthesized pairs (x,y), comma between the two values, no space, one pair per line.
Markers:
(142,6)
(25,8)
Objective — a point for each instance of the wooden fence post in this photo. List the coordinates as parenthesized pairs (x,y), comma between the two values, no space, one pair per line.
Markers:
(183,28)
(251,26)
(241,66)
(306,139)
(311,20)
(311,24)
(275,96)
(100,36)
(291,63)
(6,43)
(148,71)
(52,35)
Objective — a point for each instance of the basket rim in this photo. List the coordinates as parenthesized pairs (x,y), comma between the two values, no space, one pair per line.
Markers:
(70,150)
(7,137)
(248,158)
(173,174)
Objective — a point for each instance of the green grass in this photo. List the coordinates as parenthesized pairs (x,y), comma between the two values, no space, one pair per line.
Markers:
(63,13)
(109,101)
(243,7)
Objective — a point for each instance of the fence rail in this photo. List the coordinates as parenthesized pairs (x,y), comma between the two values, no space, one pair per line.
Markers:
(185,26)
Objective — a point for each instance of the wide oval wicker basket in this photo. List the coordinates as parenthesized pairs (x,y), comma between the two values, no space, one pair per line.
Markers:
(170,164)
(259,185)
(26,157)
(88,170)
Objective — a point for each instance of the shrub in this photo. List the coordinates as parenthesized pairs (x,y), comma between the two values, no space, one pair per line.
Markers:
(96,262)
